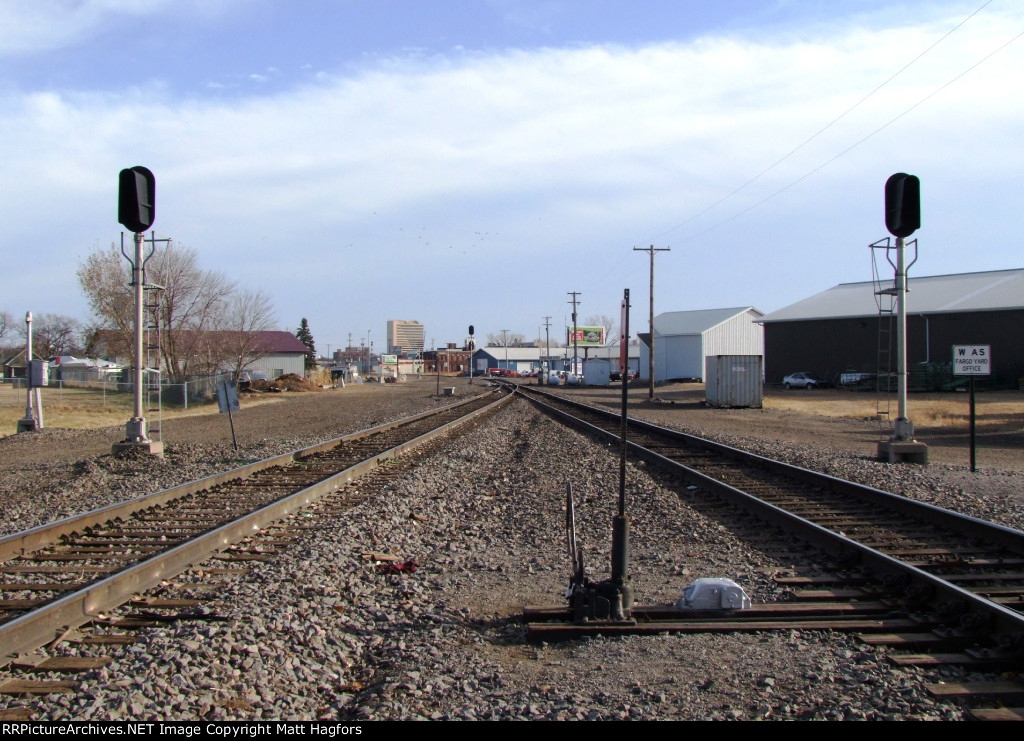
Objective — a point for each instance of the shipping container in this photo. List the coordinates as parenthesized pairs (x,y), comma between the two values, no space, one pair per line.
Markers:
(734,381)
(597,372)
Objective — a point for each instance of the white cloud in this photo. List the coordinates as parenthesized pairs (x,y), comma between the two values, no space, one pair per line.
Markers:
(30,26)
(565,157)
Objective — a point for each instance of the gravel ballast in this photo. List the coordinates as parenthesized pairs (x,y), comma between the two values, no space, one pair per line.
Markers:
(323,632)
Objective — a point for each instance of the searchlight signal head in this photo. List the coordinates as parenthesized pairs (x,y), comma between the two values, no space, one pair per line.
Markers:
(902,204)
(136,199)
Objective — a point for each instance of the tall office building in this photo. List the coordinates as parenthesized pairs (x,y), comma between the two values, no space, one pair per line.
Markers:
(404,337)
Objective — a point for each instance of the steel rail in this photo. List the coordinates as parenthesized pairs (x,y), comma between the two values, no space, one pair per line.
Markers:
(1003,620)
(34,539)
(39,627)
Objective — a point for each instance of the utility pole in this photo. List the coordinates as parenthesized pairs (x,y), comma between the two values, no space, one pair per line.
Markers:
(651,250)
(547,339)
(504,341)
(437,366)
(574,301)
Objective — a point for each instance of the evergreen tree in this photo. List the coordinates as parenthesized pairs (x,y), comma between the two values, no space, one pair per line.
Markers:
(306,338)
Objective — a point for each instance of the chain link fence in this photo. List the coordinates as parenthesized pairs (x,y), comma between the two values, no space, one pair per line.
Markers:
(117,390)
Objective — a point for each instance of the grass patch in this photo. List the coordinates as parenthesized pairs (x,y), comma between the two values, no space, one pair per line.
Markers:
(87,409)
(1002,410)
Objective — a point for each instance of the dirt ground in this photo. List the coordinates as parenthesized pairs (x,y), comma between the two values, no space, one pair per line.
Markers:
(837,419)
(278,416)
(840,419)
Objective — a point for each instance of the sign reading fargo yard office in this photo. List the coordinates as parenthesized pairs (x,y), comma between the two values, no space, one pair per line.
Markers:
(972,360)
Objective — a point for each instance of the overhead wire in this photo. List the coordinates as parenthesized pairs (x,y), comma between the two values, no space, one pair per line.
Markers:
(818,133)
(853,146)
(827,126)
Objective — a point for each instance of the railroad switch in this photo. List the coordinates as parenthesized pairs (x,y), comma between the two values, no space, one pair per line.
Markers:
(608,601)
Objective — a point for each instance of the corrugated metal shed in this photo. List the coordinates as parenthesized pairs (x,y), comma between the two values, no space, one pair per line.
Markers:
(674,323)
(683,339)
(996,290)
(840,329)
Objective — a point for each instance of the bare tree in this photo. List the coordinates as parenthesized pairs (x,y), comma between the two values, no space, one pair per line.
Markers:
(611,330)
(506,339)
(6,327)
(189,302)
(555,340)
(104,278)
(248,314)
(53,335)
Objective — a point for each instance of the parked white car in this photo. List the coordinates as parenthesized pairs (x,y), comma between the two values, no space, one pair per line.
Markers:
(805,380)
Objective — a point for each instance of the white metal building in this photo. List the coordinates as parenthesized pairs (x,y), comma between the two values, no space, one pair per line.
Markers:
(278,353)
(683,339)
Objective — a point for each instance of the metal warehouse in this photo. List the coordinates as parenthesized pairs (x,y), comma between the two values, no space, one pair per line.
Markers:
(850,328)
(683,339)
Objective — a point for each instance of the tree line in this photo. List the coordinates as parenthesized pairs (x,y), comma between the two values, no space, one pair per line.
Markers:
(203,321)
(555,336)
(52,334)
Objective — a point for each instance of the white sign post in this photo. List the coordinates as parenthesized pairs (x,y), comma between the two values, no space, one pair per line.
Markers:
(971,361)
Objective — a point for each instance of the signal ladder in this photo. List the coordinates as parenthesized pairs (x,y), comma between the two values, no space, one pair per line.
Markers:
(153,293)
(886,377)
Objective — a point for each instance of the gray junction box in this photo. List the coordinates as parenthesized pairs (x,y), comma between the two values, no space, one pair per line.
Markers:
(734,380)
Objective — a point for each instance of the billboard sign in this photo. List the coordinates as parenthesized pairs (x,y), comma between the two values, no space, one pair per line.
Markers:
(586,336)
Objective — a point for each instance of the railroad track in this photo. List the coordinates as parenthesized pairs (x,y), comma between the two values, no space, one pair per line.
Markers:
(905,574)
(58,577)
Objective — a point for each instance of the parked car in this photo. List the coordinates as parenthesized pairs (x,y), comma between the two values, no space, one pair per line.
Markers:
(245,379)
(805,380)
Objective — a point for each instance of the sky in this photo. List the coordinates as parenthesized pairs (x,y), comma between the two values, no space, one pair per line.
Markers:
(474,161)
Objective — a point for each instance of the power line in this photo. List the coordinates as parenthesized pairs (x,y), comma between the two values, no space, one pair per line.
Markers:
(853,146)
(829,125)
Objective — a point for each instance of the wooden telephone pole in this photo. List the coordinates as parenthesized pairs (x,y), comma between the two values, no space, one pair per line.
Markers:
(652,249)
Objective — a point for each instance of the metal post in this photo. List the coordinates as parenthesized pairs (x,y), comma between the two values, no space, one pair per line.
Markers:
(902,446)
(547,339)
(136,432)
(973,418)
(28,366)
(575,351)
(137,279)
(620,523)
(28,423)
(903,428)
(624,375)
